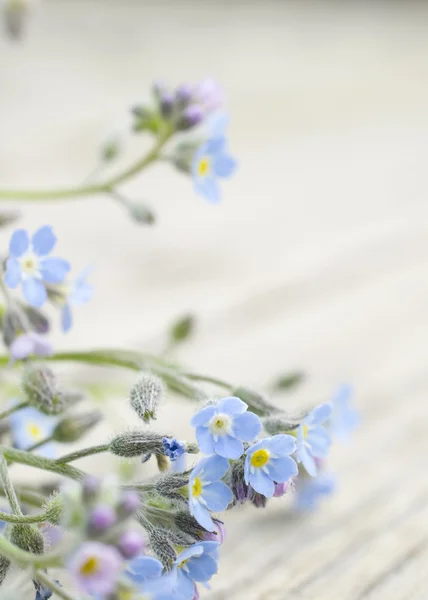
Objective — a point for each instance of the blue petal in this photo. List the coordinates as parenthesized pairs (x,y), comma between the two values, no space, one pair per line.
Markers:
(231,406)
(19,243)
(281,444)
(282,469)
(66,317)
(210,547)
(307,461)
(144,567)
(185,587)
(228,446)
(195,550)
(13,273)
(34,292)
(202,515)
(203,568)
(224,165)
(54,270)
(203,416)
(262,483)
(214,145)
(208,188)
(320,413)
(217,124)
(212,468)
(246,427)
(217,495)
(82,291)
(319,442)
(43,240)
(205,440)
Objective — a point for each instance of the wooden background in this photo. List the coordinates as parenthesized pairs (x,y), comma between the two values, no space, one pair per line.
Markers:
(316,258)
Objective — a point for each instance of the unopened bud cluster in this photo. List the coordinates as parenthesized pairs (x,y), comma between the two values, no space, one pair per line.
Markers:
(146,395)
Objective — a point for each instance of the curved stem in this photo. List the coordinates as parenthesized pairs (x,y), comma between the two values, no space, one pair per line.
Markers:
(15,554)
(12,409)
(8,487)
(90,190)
(40,462)
(9,518)
(52,585)
(67,458)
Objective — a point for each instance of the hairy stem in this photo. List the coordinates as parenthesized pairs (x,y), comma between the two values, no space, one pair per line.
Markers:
(8,487)
(90,190)
(12,409)
(67,458)
(9,518)
(39,462)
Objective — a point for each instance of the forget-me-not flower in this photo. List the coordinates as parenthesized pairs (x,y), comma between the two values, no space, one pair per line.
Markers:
(29,427)
(344,418)
(310,490)
(211,162)
(30,265)
(173,448)
(269,462)
(207,491)
(196,564)
(146,574)
(96,567)
(76,293)
(313,441)
(221,428)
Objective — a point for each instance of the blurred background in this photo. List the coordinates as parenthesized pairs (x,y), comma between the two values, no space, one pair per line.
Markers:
(314,260)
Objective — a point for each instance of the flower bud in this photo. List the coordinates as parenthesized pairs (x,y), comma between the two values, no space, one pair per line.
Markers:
(163,462)
(187,524)
(184,94)
(4,568)
(72,428)
(41,389)
(38,321)
(54,508)
(161,546)
(279,424)
(145,396)
(166,104)
(135,443)
(27,537)
(129,503)
(90,488)
(101,518)
(13,324)
(131,544)
(182,329)
(141,213)
(192,116)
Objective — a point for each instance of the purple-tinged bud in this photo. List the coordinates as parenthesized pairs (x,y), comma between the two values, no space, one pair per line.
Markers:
(219,533)
(184,93)
(129,504)
(90,488)
(281,489)
(258,500)
(131,544)
(192,116)
(196,594)
(101,518)
(166,104)
(29,344)
(209,94)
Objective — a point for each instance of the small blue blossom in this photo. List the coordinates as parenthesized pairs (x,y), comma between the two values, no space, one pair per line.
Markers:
(77,293)
(146,573)
(143,568)
(344,418)
(207,492)
(29,264)
(268,462)
(196,564)
(221,428)
(210,162)
(309,491)
(29,427)
(313,441)
(173,448)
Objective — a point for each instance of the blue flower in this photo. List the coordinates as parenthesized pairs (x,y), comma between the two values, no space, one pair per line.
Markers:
(173,448)
(198,563)
(77,293)
(30,427)
(221,428)
(313,441)
(344,419)
(207,492)
(309,491)
(143,568)
(268,462)
(146,573)
(210,162)
(29,264)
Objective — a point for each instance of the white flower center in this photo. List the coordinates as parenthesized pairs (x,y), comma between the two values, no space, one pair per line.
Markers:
(220,425)
(29,264)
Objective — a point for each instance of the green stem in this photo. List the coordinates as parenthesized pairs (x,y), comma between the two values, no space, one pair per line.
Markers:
(12,409)
(8,487)
(40,462)
(9,518)
(67,458)
(40,444)
(52,585)
(90,190)
(15,554)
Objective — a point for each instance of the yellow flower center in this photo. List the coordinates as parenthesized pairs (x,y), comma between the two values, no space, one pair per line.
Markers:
(260,458)
(220,425)
(196,487)
(305,430)
(90,566)
(29,264)
(204,166)
(35,431)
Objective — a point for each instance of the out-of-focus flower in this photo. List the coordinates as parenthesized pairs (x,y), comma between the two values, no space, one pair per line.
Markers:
(71,294)
(211,162)
(29,264)
(344,418)
(209,95)
(95,567)
(221,428)
(29,427)
(196,564)
(311,490)
(268,462)
(207,491)
(29,344)
(313,441)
